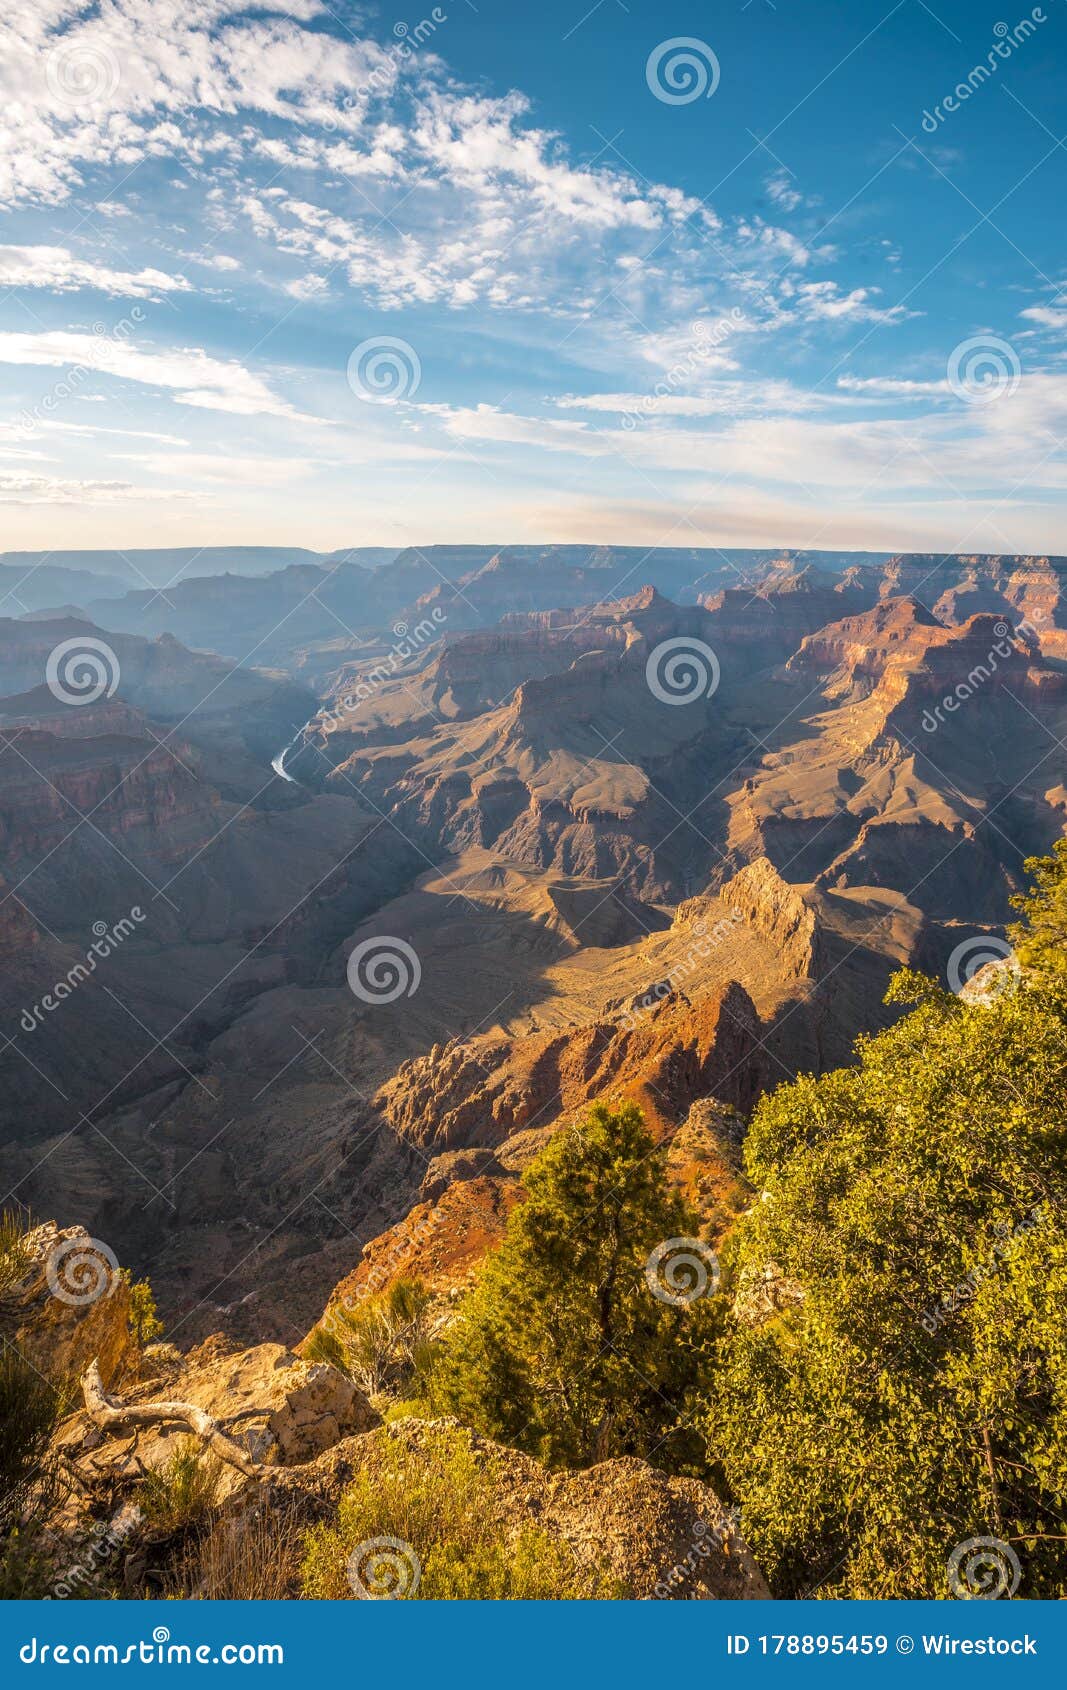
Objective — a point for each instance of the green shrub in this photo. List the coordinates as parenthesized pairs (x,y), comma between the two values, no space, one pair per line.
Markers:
(382,1343)
(30,1407)
(144,1322)
(916,1398)
(323,1345)
(14,1257)
(28,1564)
(438,1502)
(1040,939)
(181,1492)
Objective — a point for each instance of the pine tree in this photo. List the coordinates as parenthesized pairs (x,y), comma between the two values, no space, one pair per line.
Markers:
(563,1348)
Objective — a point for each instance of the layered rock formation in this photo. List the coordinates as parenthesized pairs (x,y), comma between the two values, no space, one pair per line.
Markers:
(483,1092)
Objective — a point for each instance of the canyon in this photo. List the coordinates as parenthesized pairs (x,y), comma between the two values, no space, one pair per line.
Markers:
(397,862)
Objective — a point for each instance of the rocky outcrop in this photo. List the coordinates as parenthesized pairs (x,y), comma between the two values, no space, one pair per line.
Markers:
(910,662)
(126,781)
(659,1538)
(440,1241)
(705,1164)
(959,586)
(261,1409)
(858,649)
(455,1165)
(781,913)
(767,624)
(289,1410)
(70,1306)
(484,1091)
(764,1293)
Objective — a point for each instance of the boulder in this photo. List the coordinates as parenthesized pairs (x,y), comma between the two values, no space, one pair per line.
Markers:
(284,1409)
(71,1305)
(279,1410)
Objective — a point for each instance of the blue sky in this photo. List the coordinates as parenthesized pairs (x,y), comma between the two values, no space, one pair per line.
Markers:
(330,275)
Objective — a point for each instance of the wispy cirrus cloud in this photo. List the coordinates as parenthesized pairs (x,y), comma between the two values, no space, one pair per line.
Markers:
(193,377)
(17,488)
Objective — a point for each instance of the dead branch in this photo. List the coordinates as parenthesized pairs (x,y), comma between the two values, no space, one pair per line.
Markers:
(114,1416)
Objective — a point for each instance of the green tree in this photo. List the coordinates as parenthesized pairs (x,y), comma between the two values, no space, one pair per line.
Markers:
(562,1348)
(1040,940)
(144,1322)
(916,1397)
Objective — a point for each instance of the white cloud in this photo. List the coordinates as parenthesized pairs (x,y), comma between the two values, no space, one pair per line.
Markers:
(19,489)
(406,189)
(825,300)
(892,387)
(1049,316)
(950,454)
(202,466)
(779,242)
(56,268)
(307,287)
(196,378)
(716,398)
(107,83)
(93,429)
(487,422)
(781,191)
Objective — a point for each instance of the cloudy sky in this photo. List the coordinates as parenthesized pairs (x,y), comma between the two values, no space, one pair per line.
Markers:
(735,273)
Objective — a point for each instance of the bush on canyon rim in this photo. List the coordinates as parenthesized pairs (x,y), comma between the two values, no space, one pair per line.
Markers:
(1041,937)
(562,1349)
(182,1492)
(383,1343)
(30,1409)
(434,1507)
(916,1398)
